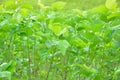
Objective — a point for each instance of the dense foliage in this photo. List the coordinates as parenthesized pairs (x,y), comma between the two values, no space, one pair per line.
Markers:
(40,42)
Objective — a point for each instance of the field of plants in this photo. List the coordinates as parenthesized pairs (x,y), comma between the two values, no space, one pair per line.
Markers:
(49,42)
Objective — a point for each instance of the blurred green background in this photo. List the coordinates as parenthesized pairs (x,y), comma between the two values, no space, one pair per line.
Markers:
(80,4)
(71,4)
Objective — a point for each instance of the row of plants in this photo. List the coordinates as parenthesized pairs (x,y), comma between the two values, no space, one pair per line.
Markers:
(40,42)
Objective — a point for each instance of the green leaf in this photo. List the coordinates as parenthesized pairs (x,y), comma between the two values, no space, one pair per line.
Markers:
(58,5)
(56,28)
(8,66)
(3,66)
(10,4)
(86,70)
(1,7)
(115,14)
(63,46)
(77,11)
(111,4)
(117,27)
(5,74)
(27,5)
(100,9)
(116,43)
(79,42)
(24,11)
(116,74)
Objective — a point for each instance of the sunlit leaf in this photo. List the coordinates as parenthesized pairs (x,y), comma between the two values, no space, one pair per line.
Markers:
(10,4)
(111,4)
(113,15)
(116,74)
(24,11)
(58,5)
(63,46)
(5,74)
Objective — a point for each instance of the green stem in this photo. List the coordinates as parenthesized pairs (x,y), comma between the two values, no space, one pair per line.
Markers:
(35,51)
(28,55)
(50,67)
